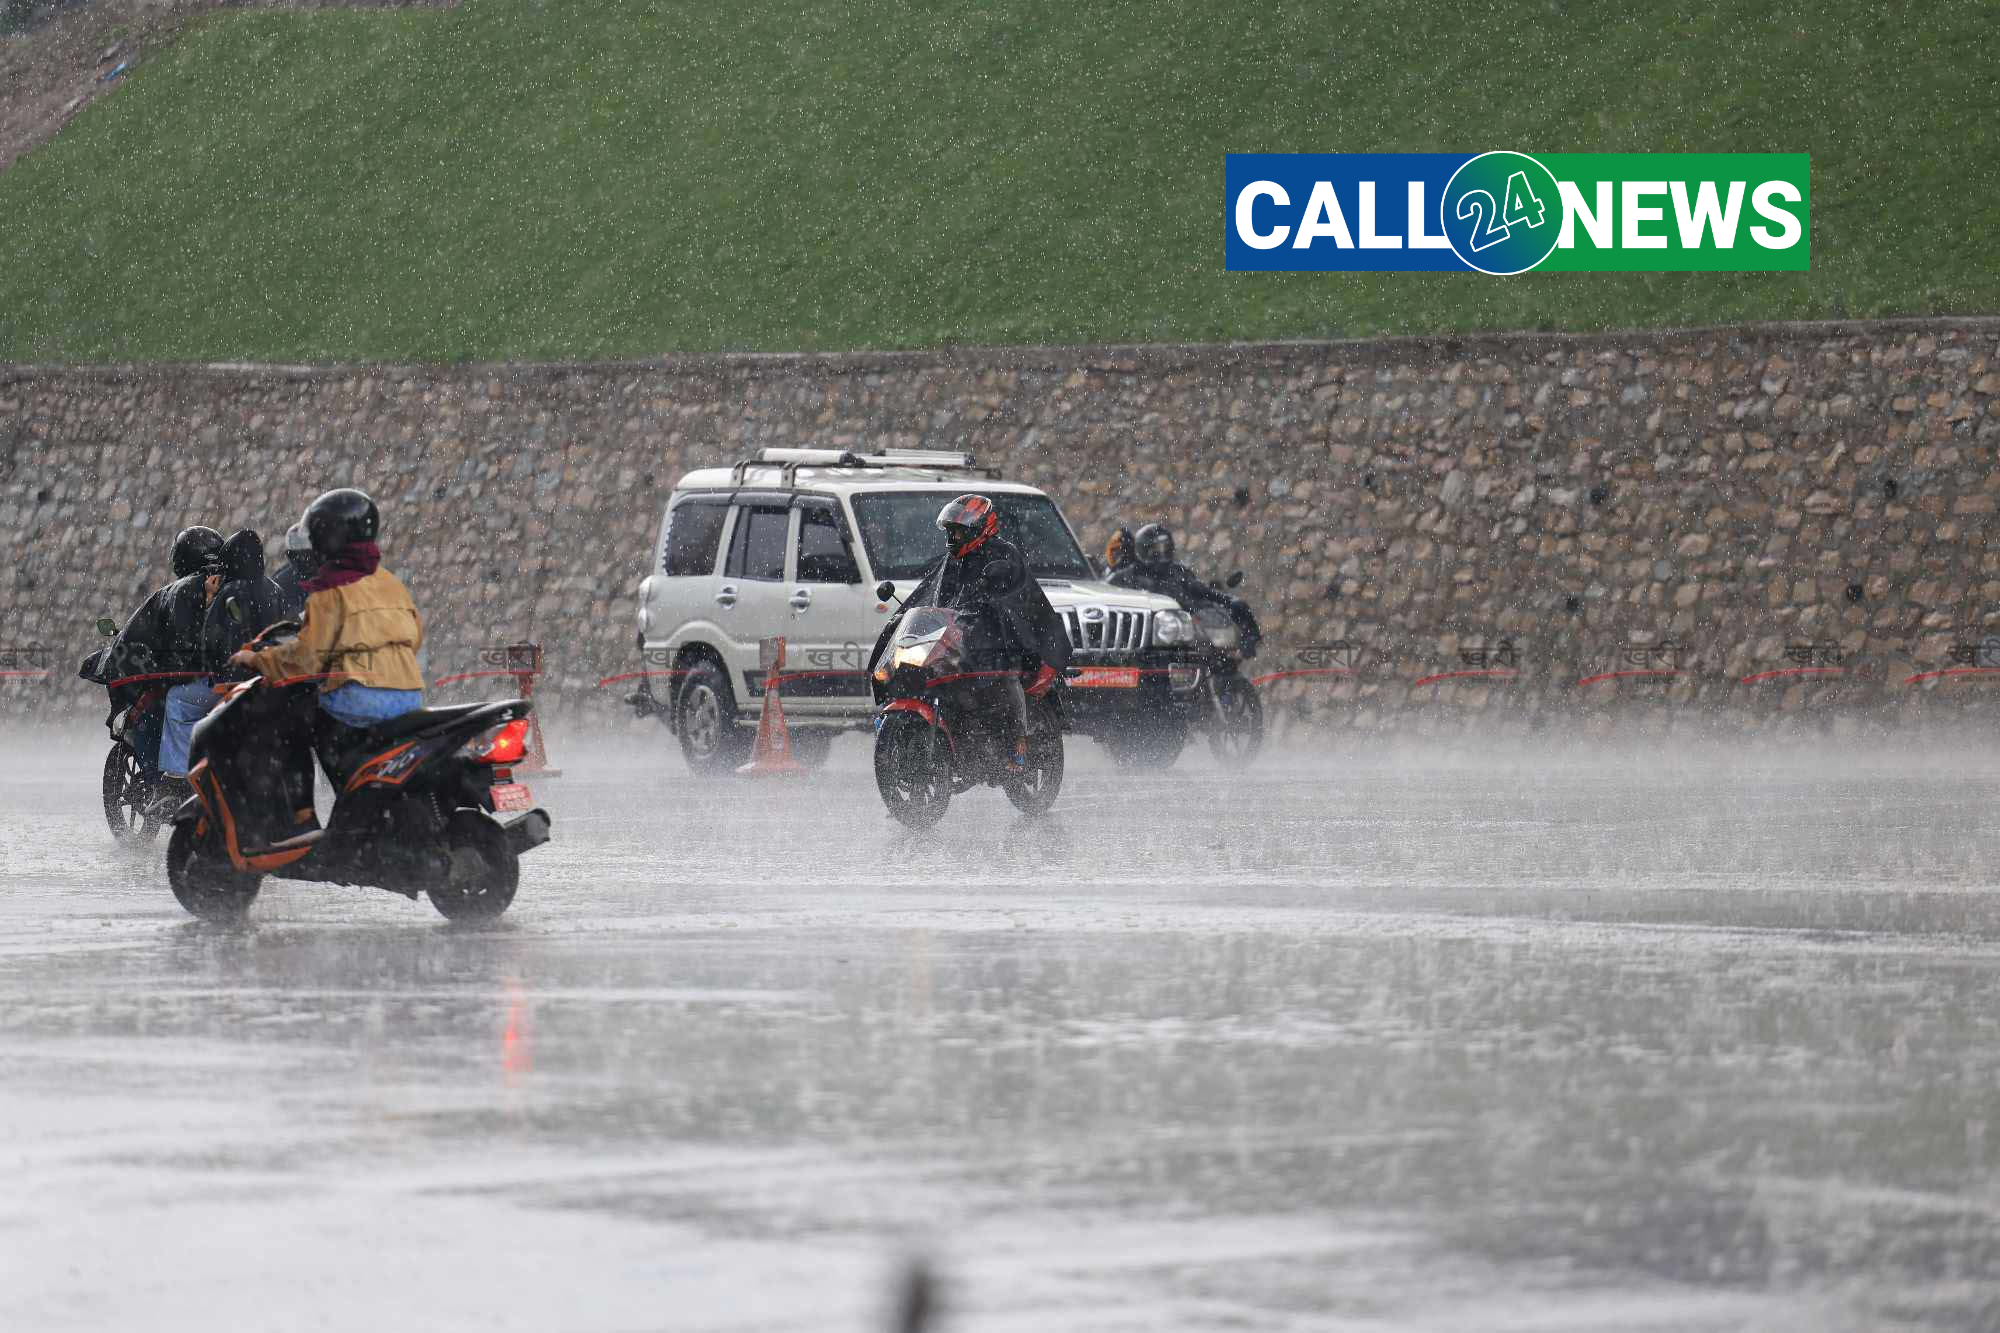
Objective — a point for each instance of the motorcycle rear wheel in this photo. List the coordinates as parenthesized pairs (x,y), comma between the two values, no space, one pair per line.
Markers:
(1237,732)
(208,887)
(1035,794)
(128,798)
(912,770)
(485,873)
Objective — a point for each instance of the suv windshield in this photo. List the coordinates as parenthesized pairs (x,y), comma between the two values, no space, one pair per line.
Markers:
(899,528)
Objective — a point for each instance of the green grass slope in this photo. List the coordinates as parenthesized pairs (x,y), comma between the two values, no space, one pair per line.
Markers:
(580,178)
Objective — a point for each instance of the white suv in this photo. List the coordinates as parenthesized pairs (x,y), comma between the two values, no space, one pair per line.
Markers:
(769,548)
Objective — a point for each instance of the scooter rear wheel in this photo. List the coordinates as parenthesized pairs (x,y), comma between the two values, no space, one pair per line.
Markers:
(913,770)
(207,886)
(485,873)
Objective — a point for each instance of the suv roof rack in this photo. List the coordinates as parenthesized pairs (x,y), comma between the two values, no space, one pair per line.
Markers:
(791,460)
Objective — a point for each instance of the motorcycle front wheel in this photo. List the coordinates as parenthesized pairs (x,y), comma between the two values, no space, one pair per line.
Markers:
(912,770)
(128,797)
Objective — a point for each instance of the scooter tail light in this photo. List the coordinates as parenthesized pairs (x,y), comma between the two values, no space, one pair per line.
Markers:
(504,744)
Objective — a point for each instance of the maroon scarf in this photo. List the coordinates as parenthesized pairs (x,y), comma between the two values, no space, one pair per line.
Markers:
(351,564)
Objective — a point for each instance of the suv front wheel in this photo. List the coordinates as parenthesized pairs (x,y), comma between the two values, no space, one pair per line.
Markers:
(705,720)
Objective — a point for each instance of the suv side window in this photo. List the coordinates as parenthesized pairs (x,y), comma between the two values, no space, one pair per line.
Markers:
(694,530)
(757,551)
(824,556)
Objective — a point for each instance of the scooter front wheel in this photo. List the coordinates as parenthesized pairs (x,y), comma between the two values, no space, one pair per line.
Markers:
(206,884)
(485,872)
(912,770)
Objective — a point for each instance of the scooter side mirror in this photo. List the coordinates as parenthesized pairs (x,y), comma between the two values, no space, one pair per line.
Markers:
(1234,580)
(884,590)
(107,627)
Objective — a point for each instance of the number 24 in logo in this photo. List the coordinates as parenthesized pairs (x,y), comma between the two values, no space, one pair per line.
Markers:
(1524,209)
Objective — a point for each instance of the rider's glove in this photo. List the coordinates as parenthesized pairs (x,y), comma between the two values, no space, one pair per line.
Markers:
(1044,678)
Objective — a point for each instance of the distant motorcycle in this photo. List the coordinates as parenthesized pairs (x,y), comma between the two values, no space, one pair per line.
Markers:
(132,787)
(1227,706)
(418,808)
(940,729)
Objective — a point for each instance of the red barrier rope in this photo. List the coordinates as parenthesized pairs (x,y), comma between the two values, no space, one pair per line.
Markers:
(1626,675)
(1499,673)
(1952,672)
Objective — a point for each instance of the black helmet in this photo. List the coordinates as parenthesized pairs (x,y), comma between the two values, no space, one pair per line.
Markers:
(967,522)
(1153,545)
(339,519)
(196,550)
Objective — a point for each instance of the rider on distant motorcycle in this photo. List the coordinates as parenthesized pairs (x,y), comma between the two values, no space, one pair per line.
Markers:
(361,632)
(300,565)
(162,642)
(1156,570)
(245,603)
(980,570)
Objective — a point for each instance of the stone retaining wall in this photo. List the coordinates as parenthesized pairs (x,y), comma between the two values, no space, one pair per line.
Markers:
(1743,492)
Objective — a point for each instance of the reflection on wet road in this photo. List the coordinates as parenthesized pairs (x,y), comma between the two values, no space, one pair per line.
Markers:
(1441,1041)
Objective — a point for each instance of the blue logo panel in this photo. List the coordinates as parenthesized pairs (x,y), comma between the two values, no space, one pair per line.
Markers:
(1339,212)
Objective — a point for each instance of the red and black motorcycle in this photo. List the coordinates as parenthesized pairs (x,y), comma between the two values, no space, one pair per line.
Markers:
(133,789)
(943,726)
(424,803)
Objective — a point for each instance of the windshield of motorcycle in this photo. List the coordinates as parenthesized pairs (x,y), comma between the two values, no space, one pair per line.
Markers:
(930,638)
(1217,626)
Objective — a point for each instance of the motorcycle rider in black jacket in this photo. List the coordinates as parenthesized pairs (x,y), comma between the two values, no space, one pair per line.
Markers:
(1154,569)
(164,634)
(245,603)
(980,570)
(162,641)
(301,563)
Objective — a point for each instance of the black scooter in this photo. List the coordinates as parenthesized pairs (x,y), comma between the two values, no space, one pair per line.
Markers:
(424,803)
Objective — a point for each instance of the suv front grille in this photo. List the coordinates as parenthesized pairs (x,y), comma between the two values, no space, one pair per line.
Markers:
(1117,632)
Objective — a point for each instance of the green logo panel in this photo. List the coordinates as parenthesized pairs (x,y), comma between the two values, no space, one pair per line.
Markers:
(1682,212)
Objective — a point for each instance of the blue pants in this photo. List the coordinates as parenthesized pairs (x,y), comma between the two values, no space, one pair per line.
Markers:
(364,705)
(145,736)
(187,704)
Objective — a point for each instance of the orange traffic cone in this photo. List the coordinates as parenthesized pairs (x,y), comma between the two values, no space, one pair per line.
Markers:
(772,756)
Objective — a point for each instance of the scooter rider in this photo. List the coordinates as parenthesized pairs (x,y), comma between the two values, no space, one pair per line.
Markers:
(300,565)
(982,570)
(361,631)
(1155,570)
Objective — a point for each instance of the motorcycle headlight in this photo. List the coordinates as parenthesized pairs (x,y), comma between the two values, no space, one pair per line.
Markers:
(1172,627)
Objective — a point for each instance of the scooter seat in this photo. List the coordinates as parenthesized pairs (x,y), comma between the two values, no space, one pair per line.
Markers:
(451,715)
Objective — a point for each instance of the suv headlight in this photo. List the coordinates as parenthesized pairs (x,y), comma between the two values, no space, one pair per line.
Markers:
(1172,627)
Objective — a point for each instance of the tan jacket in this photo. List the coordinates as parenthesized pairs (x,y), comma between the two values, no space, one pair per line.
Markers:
(367,632)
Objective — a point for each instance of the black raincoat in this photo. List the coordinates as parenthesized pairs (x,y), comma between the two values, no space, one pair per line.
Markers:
(993,576)
(163,637)
(245,604)
(1177,581)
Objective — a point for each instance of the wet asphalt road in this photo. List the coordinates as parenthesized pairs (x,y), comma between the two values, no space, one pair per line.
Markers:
(1465,1040)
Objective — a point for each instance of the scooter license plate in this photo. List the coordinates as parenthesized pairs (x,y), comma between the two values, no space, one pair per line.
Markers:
(512,796)
(1107,678)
